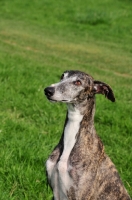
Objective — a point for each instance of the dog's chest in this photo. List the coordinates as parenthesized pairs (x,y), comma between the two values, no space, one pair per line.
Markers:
(60,172)
(70,131)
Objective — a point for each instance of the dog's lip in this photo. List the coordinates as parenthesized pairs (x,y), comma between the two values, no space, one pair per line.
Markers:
(65,100)
(50,99)
(54,100)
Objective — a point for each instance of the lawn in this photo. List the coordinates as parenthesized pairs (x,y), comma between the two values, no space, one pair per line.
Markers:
(38,41)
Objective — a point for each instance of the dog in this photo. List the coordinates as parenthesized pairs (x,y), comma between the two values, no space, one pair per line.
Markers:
(78,168)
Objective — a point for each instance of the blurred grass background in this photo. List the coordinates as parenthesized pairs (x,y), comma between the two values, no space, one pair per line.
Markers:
(38,41)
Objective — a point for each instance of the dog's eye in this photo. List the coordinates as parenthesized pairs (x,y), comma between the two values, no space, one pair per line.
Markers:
(78,82)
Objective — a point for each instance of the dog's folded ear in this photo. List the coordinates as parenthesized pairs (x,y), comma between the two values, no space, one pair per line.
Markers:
(103,88)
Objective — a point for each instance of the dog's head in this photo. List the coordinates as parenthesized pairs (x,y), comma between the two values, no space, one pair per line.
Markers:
(75,87)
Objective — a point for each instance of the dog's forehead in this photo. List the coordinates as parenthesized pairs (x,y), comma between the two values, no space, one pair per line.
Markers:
(76,74)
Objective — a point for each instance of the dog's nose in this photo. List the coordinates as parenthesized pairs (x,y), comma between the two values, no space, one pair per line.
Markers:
(49,91)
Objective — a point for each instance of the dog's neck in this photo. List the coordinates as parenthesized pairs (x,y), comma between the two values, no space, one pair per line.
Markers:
(87,109)
(77,115)
(71,128)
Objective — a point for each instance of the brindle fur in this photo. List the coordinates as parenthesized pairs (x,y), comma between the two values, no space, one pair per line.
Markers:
(93,173)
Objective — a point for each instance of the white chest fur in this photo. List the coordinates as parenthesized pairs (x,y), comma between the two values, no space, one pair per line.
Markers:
(58,173)
(70,131)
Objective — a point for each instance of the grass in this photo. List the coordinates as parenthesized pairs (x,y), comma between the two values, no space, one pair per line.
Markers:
(38,41)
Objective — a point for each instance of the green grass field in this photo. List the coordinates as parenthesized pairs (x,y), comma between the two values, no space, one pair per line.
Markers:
(38,41)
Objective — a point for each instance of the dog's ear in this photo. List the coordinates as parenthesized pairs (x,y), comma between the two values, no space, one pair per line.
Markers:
(103,88)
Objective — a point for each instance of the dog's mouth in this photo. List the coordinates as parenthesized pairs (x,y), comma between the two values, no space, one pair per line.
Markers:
(54,100)
(50,99)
